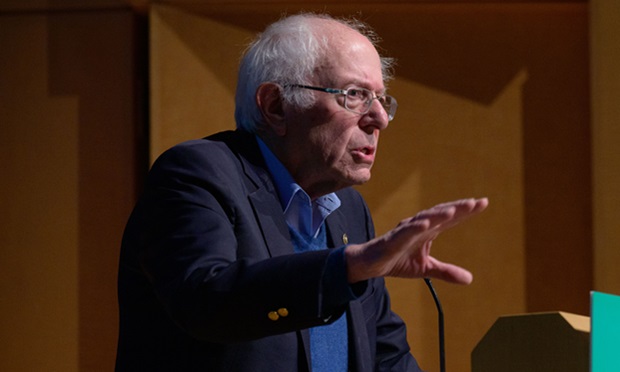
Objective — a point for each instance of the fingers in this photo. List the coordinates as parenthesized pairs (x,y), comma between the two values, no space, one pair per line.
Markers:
(439,219)
(448,272)
(428,224)
(449,214)
(463,206)
(435,215)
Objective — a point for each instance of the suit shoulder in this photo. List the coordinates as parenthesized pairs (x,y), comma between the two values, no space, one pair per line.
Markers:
(217,152)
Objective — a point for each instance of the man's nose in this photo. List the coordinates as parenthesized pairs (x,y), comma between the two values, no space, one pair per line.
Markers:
(376,117)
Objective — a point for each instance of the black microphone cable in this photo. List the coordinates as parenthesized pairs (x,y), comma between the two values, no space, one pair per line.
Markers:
(442,348)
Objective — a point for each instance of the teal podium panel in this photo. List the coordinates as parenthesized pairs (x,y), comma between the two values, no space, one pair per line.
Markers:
(605,332)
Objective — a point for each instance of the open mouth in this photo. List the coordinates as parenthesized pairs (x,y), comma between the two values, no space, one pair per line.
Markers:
(365,153)
(367,150)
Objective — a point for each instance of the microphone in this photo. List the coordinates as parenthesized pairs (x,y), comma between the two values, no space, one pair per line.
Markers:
(442,349)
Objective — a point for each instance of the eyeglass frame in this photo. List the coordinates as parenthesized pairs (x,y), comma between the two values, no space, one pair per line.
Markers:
(393,106)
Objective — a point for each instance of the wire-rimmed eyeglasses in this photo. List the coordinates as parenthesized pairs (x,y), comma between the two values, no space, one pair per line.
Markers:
(358,100)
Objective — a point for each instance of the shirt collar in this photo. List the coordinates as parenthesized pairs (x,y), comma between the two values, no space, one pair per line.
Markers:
(300,212)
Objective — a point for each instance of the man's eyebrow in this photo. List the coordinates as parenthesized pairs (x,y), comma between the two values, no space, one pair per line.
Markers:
(360,84)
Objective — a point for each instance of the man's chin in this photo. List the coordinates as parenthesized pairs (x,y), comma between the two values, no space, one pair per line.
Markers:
(360,178)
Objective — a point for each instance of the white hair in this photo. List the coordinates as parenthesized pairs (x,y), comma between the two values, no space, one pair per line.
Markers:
(288,52)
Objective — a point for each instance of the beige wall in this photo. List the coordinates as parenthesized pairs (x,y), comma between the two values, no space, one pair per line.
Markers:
(39,239)
(605,53)
(68,141)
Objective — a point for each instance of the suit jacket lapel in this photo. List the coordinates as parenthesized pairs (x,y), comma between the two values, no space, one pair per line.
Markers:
(268,212)
(359,347)
(273,226)
(263,196)
(336,229)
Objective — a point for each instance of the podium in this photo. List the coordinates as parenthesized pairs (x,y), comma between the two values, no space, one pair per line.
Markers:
(540,342)
(554,341)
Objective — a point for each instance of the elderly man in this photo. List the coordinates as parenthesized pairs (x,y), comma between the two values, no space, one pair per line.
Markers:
(249,251)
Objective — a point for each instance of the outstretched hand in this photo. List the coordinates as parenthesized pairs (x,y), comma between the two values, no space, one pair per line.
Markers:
(405,250)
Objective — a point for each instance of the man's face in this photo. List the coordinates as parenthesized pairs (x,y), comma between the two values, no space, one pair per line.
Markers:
(329,147)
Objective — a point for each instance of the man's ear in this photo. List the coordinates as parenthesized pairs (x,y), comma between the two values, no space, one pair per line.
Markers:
(269,102)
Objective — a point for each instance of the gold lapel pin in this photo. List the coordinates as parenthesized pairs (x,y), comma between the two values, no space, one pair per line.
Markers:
(345,238)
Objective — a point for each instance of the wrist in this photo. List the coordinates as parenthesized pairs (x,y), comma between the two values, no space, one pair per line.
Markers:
(357,269)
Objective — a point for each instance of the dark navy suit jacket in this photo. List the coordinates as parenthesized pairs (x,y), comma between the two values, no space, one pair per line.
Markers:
(206,257)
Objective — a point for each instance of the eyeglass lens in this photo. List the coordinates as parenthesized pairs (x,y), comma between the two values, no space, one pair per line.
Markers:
(360,100)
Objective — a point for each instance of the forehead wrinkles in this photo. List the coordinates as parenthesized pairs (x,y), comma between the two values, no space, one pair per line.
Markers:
(354,63)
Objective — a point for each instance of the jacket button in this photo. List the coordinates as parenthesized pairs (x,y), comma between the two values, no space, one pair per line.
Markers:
(273,315)
(283,312)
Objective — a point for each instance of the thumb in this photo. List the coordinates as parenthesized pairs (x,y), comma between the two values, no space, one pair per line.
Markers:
(448,272)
